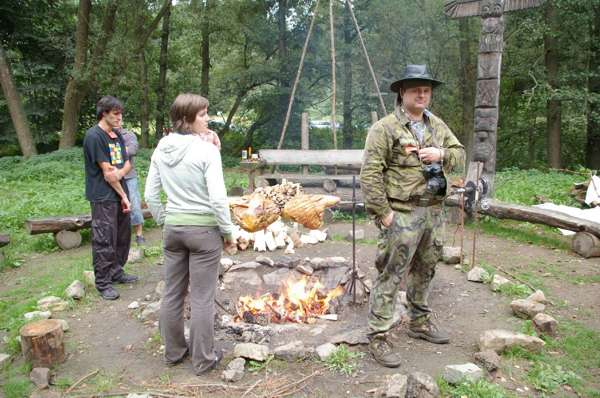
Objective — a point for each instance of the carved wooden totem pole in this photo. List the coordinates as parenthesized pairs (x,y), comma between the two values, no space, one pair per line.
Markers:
(491,43)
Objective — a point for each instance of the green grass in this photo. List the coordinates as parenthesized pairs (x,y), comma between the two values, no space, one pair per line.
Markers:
(15,382)
(343,360)
(571,359)
(480,389)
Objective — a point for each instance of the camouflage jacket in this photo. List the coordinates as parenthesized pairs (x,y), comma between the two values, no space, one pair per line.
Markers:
(390,176)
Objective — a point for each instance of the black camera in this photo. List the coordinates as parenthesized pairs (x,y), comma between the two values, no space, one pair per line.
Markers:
(436,182)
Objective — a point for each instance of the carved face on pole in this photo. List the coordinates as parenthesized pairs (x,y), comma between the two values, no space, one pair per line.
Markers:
(491,8)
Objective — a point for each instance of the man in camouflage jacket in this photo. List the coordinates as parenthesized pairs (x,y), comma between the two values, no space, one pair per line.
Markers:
(405,208)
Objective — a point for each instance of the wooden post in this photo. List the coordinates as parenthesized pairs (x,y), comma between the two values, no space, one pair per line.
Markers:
(42,343)
(304,137)
(374,117)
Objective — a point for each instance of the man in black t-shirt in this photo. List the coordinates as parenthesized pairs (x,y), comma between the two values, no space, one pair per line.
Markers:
(106,162)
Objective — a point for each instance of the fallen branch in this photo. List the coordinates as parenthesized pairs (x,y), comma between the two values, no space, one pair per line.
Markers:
(529,285)
(81,380)
(284,390)
(251,388)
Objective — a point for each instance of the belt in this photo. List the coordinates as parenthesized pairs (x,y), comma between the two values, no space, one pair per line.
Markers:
(423,201)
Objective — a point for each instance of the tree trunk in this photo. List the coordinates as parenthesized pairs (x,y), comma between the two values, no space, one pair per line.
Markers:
(232,112)
(15,107)
(74,91)
(586,245)
(553,107)
(145,103)
(282,50)
(162,74)
(42,343)
(36,226)
(205,32)
(348,129)
(592,149)
(468,65)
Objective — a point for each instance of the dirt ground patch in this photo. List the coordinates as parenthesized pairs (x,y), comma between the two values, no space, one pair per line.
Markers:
(108,336)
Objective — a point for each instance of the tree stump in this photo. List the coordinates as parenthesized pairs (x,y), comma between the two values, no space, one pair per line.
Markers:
(586,245)
(67,240)
(42,343)
(329,186)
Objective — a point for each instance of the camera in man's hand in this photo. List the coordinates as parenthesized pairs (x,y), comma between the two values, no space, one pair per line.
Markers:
(436,182)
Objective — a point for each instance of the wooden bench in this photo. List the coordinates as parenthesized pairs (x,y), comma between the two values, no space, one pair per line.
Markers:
(346,161)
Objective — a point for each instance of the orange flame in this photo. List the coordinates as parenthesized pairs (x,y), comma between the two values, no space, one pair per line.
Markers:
(294,303)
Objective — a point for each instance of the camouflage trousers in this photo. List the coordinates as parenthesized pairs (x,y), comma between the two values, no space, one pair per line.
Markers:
(409,248)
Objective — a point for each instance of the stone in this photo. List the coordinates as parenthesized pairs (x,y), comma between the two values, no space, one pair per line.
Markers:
(234,371)
(4,359)
(40,377)
(89,278)
(498,281)
(264,260)
(451,254)
(275,278)
(151,311)
(226,263)
(76,290)
(351,337)
(499,340)
(52,303)
(545,324)
(325,350)
(337,260)
(318,263)
(396,386)
(305,269)
(526,309)
(245,266)
(248,277)
(136,254)
(455,374)
(257,352)
(135,395)
(160,289)
(539,297)
(35,315)
(477,274)
(488,359)
(64,325)
(292,351)
(358,234)
(334,277)
(46,393)
(421,385)
(133,305)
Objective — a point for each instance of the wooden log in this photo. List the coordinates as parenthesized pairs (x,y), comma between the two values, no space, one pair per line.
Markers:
(4,240)
(586,244)
(533,215)
(64,223)
(42,343)
(67,240)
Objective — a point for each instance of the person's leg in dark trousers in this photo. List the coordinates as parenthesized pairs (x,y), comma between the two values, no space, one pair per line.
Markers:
(123,241)
(104,243)
(176,287)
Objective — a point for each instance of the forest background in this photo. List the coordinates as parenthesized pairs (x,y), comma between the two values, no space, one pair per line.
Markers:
(244,54)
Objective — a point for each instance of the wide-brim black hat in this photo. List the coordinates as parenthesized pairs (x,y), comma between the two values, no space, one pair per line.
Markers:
(415,72)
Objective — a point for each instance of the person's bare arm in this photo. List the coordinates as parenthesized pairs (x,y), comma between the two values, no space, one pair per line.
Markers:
(112,176)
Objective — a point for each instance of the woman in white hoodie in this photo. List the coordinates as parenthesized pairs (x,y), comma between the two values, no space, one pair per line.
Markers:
(196,223)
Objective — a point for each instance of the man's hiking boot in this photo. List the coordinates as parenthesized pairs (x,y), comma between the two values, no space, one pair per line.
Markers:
(428,331)
(126,278)
(382,350)
(109,293)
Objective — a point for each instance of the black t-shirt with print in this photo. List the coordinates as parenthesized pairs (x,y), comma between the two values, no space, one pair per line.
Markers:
(99,147)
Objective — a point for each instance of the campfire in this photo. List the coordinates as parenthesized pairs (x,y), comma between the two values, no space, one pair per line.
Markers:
(297,302)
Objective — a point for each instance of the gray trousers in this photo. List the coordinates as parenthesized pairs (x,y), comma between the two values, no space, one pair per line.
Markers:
(192,256)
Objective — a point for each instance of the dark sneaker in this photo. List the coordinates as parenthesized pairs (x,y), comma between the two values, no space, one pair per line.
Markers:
(126,278)
(180,360)
(428,331)
(109,294)
(382,350)
(139,239)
